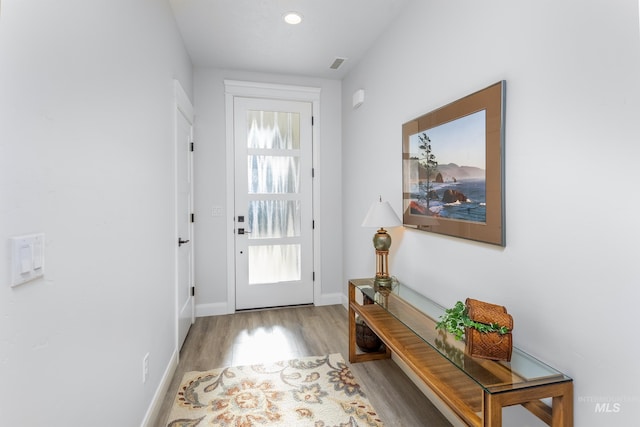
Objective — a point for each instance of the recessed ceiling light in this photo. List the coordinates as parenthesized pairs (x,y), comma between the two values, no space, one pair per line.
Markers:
(292,18)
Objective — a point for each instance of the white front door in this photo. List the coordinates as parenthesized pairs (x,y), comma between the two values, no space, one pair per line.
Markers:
(184,208)
(273,202)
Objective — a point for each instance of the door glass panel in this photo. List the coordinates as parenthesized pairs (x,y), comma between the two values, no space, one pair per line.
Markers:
(268,219)
(273,130)
(274,263)
(273,174)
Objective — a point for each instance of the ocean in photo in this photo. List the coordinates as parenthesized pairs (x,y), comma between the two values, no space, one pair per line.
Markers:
(473,209)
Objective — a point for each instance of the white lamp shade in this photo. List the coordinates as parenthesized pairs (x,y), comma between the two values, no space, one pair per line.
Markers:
(381,215)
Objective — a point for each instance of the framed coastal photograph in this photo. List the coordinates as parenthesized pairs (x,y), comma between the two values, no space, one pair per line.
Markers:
(453,168)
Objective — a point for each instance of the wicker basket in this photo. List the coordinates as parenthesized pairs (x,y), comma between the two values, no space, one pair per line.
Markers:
(366,340)
(491,345)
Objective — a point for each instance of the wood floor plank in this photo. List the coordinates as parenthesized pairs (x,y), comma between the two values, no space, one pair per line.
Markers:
(269,335)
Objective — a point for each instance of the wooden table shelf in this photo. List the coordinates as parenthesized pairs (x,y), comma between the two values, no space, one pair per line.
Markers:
(475,389)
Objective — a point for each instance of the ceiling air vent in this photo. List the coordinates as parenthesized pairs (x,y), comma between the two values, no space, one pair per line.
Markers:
(337,63)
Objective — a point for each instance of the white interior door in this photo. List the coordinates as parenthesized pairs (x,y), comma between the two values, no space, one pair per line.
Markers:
(273,202)
(185,306)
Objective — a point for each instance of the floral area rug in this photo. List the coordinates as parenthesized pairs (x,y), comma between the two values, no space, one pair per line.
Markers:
(312,391)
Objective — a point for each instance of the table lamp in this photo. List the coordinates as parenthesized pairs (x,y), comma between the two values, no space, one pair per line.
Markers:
(381,215)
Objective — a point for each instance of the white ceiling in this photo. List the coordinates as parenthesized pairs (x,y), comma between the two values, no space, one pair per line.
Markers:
(251,34)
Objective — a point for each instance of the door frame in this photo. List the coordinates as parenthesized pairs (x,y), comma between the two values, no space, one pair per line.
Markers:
(182,106)
(245,89)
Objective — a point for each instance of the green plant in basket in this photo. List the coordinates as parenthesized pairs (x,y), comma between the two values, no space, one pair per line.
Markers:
(456,319)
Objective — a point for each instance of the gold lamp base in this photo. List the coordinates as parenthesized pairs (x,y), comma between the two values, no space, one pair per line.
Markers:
(382,243)
(382,283)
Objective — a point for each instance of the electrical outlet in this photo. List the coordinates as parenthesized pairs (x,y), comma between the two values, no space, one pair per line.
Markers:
(145,368)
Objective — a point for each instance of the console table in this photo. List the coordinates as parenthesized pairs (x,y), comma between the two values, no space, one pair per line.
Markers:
(475,389)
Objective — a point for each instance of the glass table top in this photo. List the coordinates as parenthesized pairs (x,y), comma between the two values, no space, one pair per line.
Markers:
(494,376)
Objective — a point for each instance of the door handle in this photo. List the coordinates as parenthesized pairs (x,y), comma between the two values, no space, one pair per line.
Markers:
(242,231)
(182,242)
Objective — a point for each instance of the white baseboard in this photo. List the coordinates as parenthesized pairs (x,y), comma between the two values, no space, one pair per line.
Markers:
(330,299)
(150,418)
(344,301)
(220,308)
(215,309)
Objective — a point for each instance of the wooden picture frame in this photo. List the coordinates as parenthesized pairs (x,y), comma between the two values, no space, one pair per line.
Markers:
(453,168)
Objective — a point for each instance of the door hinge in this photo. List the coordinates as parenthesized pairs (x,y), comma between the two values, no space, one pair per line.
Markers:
(312,120)
(192,146)
(193,217)
(313,172)
(313,279)
(313,224)
(193,291)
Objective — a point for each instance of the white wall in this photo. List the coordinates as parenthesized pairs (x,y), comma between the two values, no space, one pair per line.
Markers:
(86,156)
(568,273)
(211,186)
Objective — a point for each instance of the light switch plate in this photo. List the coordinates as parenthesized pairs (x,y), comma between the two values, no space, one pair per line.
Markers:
(27,258)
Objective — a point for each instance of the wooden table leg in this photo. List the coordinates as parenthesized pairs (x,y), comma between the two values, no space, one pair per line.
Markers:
(562,407)
(560,415)
(492,413)
(352,326)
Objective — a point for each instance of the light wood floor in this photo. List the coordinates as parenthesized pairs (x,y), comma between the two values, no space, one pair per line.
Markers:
(270,335)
